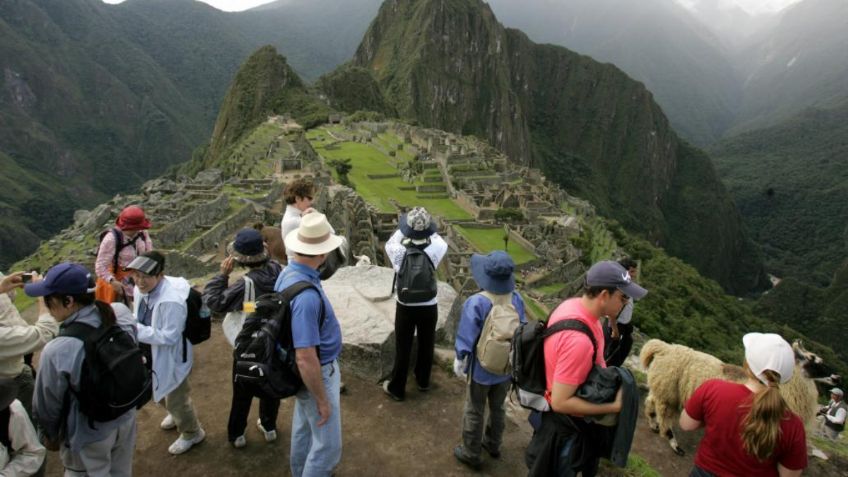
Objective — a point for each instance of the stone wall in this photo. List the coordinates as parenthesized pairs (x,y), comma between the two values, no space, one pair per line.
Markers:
(208,213)
(225,230)
(179,264)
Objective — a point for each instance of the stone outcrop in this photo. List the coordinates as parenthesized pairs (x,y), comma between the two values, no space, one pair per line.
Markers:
(363,302)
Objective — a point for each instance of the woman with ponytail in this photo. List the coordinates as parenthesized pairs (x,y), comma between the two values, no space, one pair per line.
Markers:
(750,430)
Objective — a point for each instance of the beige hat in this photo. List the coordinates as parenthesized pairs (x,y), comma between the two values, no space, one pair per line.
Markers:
(313,237)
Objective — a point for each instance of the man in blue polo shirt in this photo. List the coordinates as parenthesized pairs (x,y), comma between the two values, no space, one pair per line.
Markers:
(494,273)
(316,441)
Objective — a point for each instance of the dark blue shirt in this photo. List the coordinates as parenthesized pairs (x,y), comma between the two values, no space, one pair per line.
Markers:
(306,308)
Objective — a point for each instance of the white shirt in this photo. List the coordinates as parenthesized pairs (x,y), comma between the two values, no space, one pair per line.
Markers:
(839,417)
(396,251)
(291,221)
(27,453)
(626,313)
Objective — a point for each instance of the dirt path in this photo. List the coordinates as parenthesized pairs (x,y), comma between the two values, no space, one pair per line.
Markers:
(380,436)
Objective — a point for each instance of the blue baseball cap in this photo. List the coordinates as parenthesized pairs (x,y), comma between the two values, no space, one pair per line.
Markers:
(66,278)
(494,272)
(612,274)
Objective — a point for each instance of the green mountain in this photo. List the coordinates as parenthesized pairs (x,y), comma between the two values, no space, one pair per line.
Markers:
(791,187)
(811,310)
(449,64)
(264,86)
(80,106)
(657,42)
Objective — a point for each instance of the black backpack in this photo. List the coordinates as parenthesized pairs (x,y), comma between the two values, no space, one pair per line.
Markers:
(5,439)
(527,355)
(114,377)
(198,325)
(415,282)
(264,358)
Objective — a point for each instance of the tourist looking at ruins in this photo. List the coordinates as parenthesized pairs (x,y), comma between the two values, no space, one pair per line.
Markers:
(118,247)
(247,250)
(298,196)
(494,274)
(316,436)
(18,338)
(417,310)
(618,330)
(161,311)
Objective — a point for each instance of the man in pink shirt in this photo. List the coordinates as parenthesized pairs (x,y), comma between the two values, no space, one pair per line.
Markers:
(568,354)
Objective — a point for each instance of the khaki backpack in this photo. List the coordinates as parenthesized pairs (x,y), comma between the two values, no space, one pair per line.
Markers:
(496,337)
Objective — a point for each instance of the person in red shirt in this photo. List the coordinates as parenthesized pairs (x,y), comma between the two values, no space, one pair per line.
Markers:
(750,430)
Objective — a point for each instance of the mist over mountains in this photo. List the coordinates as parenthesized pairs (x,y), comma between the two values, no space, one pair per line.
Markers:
(101,97)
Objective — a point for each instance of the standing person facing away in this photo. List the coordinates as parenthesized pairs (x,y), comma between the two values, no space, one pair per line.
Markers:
(417,315)
(494,273)
(247,250)
(316,440)
(161,310)
(750,430)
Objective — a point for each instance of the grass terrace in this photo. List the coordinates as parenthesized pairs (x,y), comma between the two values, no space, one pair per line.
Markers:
(368,160)
(488,240)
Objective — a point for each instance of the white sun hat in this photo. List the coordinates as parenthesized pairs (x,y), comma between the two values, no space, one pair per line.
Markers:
(313,237)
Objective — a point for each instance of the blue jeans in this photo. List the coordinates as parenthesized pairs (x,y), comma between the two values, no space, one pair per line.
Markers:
(315,451)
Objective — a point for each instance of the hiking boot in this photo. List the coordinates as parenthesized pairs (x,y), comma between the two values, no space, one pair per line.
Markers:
(270,436)
(495,453)
(389,393)
(168,423)
(459,453)
(423,389)
(239,442)
(181,446)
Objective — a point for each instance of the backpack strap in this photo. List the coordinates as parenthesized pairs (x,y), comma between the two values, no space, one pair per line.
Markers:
(5,439)
(576,325)
(502,299)
(294,290)
(249,289)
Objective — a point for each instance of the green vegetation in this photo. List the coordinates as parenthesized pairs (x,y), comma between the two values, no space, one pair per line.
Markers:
(535,310)
(555,108)
(789,182)
(352,88)
(367,160)
(550,289)
(686,308)
(488,240)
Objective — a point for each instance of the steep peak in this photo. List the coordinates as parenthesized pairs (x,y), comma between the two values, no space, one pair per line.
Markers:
(260,88)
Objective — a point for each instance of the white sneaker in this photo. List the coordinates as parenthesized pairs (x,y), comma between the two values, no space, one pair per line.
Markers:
(181,445)
(168,423)
(270,436)
(239,442)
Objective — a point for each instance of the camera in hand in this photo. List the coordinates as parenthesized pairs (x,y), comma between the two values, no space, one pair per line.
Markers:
(26,277)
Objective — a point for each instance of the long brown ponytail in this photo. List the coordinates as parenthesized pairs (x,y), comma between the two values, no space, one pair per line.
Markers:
(761,427)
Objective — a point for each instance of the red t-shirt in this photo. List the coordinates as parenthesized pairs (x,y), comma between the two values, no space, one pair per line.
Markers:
(568,353)
(722,406)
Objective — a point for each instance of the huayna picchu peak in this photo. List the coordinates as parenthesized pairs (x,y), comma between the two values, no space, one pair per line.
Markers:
(449,64)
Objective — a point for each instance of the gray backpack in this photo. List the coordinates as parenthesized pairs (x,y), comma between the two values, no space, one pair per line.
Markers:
(496,338)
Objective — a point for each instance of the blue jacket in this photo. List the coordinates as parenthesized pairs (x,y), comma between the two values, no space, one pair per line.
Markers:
(474,312)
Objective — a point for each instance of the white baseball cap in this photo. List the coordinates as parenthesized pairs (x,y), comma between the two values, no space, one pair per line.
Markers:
(768,351)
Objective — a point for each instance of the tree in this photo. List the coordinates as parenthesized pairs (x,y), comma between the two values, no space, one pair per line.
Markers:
(342,167)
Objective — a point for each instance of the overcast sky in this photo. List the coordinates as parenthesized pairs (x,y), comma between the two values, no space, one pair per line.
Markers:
(752,6)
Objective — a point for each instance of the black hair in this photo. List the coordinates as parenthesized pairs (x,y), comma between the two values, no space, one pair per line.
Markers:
(107,314)
(304,255)
(158,258)
(592,291)
(628,263)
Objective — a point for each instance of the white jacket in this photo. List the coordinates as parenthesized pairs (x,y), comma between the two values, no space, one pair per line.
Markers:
(165,335)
